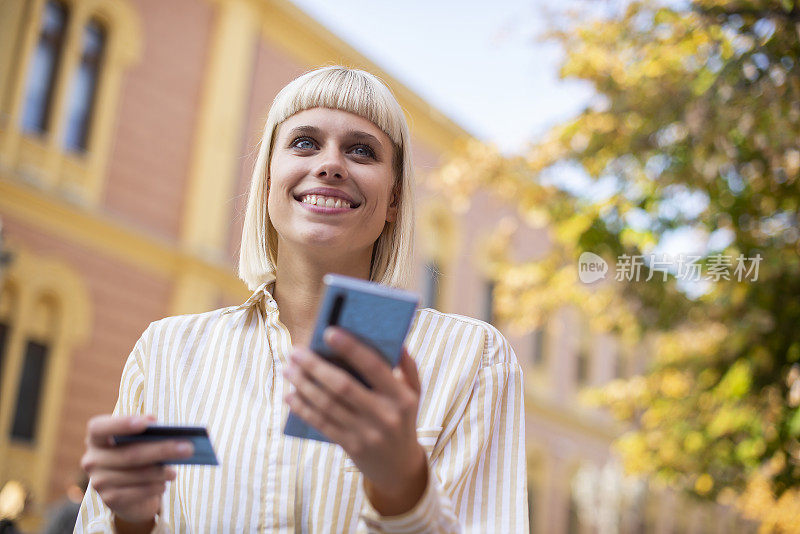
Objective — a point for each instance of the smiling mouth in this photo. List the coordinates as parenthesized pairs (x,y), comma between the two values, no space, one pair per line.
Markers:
(326,202)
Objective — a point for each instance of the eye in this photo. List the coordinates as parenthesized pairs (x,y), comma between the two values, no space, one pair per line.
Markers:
(303,143)
(364,150)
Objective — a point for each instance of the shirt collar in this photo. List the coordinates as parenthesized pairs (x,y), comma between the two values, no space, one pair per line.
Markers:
(261,295)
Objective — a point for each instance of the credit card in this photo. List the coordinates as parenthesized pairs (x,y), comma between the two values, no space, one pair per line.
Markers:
(203,451)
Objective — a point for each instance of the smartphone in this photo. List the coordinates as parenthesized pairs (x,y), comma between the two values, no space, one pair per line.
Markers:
(203,451)
(378,315)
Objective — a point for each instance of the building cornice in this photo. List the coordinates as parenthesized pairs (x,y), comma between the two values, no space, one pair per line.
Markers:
(312,44)
(102,233)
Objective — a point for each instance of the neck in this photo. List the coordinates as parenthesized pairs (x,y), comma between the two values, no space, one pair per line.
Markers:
(298,286)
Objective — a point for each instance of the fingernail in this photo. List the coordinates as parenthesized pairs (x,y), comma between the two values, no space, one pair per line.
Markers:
(184,448)
(329,336)
(299,355)
(138,422)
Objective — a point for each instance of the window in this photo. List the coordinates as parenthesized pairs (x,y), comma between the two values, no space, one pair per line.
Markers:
(619,365)
(29,393)
(538,344)
(573,519)
(432,282)
(3,338)
(61,68)
(84,87)
(46,313)
(651,509)
(532,491)
(582,365)
(584,352)
(44,65)
(635,516)
(488,302)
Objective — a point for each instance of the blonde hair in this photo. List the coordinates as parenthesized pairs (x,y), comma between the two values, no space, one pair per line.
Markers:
(363,94)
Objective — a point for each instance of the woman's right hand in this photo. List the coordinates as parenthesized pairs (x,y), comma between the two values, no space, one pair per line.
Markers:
(129,478)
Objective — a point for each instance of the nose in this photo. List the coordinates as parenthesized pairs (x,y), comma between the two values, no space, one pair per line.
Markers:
(331,165)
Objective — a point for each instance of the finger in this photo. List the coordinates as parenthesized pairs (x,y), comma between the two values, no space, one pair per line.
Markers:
(122,497)
(101,428)
(333,379)
(341,385)
(103,479)
(367,362)
(136,455)
(409,371)
(318,396)
(310,415)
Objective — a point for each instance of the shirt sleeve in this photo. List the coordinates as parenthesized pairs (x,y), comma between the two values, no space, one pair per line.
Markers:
(478,482)
(94,516)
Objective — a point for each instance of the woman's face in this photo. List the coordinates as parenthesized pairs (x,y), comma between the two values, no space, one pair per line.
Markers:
(331,183)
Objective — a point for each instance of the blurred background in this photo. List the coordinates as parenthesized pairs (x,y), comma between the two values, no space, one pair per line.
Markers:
(612,183)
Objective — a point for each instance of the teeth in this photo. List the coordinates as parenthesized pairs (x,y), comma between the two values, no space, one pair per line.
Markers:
(327,202)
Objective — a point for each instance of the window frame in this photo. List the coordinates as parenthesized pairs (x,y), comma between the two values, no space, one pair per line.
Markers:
(43,300)
(42,160)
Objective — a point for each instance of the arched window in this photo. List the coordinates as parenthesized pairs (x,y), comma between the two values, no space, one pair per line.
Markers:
(488,301)
(29,394)
(61,67)
(46,308)
(533,492)
(432,278)
(583,356)
(35,360)
(3,339)
(44,65)
(538,341)
(84,88)
(582,366)
(8,301)
(573,518)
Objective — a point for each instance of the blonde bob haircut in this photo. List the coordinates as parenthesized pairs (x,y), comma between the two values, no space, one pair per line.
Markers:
(363,94)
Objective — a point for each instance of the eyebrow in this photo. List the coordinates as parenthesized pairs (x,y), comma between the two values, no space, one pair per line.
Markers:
(352,134)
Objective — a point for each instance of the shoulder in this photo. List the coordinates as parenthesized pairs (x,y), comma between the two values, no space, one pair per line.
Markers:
(491,344)
(176,327)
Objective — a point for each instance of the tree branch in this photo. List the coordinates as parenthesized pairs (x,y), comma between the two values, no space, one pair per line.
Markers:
(792,15)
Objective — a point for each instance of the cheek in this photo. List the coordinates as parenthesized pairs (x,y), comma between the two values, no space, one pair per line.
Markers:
(280,181)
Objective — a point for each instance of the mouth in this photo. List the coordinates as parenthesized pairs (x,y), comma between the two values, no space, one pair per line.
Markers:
(328,199)
(325,202)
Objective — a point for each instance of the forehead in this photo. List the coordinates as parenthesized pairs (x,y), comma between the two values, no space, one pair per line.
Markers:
(333,121)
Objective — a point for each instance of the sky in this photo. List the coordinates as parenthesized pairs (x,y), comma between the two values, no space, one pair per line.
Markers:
(476,61)
(480,64)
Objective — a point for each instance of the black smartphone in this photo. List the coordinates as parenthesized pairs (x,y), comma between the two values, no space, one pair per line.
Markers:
(377,315)
(203,451)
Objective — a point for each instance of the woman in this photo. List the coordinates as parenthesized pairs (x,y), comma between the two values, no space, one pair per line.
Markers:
(438,451)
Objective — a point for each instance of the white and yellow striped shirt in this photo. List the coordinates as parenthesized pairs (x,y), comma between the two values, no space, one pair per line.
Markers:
(222,370)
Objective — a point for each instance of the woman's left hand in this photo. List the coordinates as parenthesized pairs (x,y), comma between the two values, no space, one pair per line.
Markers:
(376,428)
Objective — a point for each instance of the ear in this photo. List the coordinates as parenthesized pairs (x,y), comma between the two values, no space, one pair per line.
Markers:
(394,203)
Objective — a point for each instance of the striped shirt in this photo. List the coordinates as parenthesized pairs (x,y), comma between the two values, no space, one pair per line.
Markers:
(222,370)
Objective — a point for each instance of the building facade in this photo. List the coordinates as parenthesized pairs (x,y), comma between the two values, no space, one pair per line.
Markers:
(128,131)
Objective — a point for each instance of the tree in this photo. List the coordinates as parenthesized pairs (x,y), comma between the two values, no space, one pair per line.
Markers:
(695,128)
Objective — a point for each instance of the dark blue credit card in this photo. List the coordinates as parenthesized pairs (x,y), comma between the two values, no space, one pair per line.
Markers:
(203,451)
